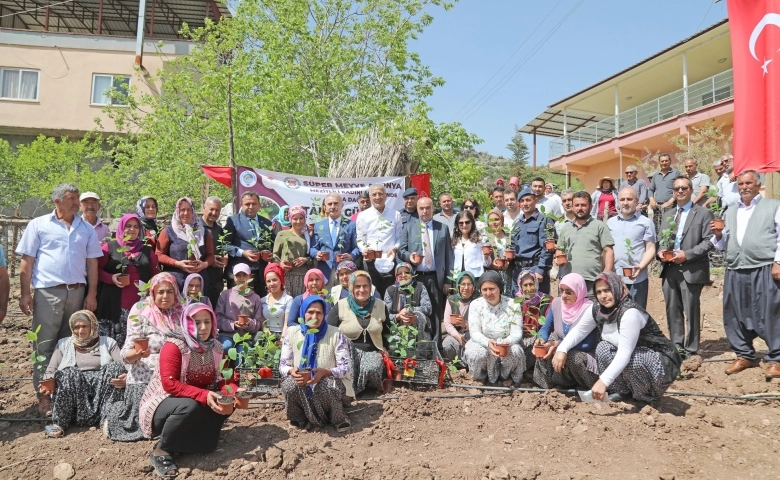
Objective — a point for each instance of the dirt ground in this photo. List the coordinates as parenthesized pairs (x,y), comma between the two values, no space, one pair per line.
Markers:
(408,435)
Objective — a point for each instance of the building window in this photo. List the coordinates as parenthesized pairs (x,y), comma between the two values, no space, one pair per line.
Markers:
(19,83)
(101,84)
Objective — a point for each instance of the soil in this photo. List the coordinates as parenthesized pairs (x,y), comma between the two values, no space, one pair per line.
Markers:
(409,435)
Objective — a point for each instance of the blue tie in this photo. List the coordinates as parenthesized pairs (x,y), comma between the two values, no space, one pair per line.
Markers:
(333,233)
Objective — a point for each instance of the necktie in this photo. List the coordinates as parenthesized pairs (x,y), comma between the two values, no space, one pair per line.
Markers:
(333,233)
(255,227)
(428,260)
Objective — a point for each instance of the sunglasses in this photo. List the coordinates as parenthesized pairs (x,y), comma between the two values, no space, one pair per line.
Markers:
(467,222)
(681,189)
(470,207)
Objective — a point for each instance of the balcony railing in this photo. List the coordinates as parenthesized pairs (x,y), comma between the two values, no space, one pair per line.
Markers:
(705,92)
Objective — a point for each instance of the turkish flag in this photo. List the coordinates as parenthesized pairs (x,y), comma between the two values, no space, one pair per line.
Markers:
(755,47)
(422,182)
(223,175)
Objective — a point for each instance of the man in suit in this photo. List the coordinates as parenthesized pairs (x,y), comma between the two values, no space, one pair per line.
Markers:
(434,243)
(685,275)
(334,235)
(250,235)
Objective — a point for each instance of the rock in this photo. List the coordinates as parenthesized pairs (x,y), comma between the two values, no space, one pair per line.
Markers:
(692,364)
(273,457)
(501,473)
(579,429)
(64,471)
(530,403)
(649,420)
(183,472)
(667,476)
(716,422)
(290,461)
(764,421)
(247,468)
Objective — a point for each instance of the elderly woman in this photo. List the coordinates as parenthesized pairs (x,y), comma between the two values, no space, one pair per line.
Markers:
(500,241)
(282,220)
(180,404)
(88,376)
(458,305)
(493,321)
(467,246)
(534,306)
(314,280)
(635,359)
(148,319)
(317,370)
(276,303)
(146,209)
(344,270)
(184,246)
(193,289)
(364,321)
(408,302)
(581,369)
(603,198)
(291,249)
(238,300)
(127,254)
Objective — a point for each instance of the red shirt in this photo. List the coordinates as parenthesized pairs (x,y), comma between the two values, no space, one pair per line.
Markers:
(199,377)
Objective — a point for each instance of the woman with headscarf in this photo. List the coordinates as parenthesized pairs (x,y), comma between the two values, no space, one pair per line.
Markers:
(458,328)
(282,220)
(573,306)
(500,241)
(635,358)
(126,254)
(184,246)
(192,290)
(291,251)
(605,197)
(364,321)
(344,270)
(181,403)
(147,319)
(88,376)
(534,305)
(314,281)
(276,303)
(238,300)
(493,321)
(146,209)
(317,370)
(408,302)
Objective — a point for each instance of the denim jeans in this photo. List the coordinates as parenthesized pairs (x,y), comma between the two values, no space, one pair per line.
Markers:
(639,291)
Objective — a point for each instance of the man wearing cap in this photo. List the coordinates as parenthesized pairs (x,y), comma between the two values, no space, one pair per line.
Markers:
(60,254)
(528,237)
(410,205)
(90,206)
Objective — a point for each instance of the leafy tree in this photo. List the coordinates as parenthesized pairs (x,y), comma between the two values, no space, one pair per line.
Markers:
(519,153)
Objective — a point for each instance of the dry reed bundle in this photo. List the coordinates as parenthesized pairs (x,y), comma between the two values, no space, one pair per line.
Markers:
(370,158)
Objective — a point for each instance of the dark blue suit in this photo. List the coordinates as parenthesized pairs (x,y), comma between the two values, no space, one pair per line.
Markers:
(241,231)
(322,242)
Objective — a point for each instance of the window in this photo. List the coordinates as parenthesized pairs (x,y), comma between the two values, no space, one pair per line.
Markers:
(19,83)
(101,84)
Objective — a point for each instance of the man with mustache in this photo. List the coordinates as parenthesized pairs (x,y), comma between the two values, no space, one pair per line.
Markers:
(90,206)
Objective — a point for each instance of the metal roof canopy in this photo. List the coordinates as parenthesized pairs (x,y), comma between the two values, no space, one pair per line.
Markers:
(163,18)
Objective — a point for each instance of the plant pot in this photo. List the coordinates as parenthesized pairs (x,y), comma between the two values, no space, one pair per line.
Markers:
(288,264)
(628,271)
(192,263)
(242,400)
(417,258)
(266,256)
(668,255)
(503,349)
(49,384)
(549,244)
(123,279)
(325,256)
(341,257)
(243,321)
(141,344)
(561,260)
(719,223)
(539,351)
(509,255)
(304,371)
(220,258)
(487,249)
(226,403)
(499,264)
(398,375)
(455,318)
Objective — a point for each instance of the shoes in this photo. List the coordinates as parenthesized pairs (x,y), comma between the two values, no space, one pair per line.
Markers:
(44,406)
(772,371)
(343,427)
(617,397)
(743,364)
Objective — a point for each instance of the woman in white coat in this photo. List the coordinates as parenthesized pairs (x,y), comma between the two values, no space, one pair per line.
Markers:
(467,246)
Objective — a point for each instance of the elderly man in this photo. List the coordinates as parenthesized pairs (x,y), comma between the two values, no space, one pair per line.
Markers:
(378,231)
(700,181)
(432,240)
(60,255)
(727,189)
(685,275)
(209,221)
(90,206)
(634,237)
(528,237)
(334,237)
(751,289)
(250,235)
(409,212)
(447,214)
(567,198)
(639,186)
(364,201)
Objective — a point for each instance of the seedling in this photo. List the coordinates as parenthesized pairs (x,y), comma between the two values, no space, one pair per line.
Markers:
(713,207)
(453,366)
(402,340)
(36,358)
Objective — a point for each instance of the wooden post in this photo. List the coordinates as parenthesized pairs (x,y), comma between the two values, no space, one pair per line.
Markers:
(100,18)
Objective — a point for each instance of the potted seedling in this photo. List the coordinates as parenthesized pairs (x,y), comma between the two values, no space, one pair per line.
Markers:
(418,258)
(549,228)
(537,313)
(227,402)
(628,271)
(38,360)
(123,278)
(142,343)
(667,240)
(246,306)
(401,344)
(192,247)
(222,247)
(261,240)
(561,258)
(716,209)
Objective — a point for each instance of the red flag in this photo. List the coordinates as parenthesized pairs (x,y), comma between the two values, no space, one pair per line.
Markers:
(755,47)
(223,175)
(422,182)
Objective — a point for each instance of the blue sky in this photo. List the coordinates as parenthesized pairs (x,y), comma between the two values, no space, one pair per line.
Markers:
(468,44)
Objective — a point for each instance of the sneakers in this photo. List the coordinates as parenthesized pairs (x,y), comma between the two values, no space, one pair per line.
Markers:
(44,406)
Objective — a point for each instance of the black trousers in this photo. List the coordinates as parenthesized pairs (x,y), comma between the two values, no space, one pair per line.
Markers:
(381,281)
(216,285)
(751,308)
(186,426)
(436,295)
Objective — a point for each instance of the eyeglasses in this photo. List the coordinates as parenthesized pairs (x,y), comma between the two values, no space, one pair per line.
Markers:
(467,222)
(566,292)
(466,285)
(469,207)
(681,189)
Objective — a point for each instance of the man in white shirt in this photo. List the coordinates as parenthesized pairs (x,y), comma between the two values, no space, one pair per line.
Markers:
(90,206)
(378,230)
(727,189)
(513,212)
(546,205)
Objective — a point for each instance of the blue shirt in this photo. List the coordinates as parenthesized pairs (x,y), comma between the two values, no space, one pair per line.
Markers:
(528,237)
(60,253)
(681,225)
(2,258)
(638,229)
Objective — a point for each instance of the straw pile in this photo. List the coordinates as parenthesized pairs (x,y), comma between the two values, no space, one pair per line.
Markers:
(371,158)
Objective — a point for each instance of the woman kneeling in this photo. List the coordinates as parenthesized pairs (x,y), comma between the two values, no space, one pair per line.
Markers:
(494,348)
(180,403)
(88,373)
(315,359)
(635,358)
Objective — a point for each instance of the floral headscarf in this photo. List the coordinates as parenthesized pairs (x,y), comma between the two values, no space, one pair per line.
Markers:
(83,346)
(348,265)
(189,280)
(297,210)
(307,277)
(190,231)
(359,311)
(533,306)
(134,245)
(162,319)
(189,330)
(460,277)
(277,269)
(139,210)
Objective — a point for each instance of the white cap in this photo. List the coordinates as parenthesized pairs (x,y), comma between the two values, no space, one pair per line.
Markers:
(87,195)
(241,267)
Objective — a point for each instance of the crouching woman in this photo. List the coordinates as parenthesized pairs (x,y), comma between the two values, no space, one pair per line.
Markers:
(317,371)
(180,403)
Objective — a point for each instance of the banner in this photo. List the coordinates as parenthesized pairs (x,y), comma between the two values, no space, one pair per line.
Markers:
(222,175)
(277,189)
(755,42)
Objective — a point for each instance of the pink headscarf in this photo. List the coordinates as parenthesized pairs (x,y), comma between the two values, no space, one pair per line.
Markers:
(297,210)
(514,181)
(134,245)
(162,319)
(189,330)
(313,271)
(570,313)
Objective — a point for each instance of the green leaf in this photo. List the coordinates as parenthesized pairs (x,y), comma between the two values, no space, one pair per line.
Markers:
(232,353)
(31,336)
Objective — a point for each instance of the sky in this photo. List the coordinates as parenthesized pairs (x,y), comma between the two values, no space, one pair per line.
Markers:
(476,40)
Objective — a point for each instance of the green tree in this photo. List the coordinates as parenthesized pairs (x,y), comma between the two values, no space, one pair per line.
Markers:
(520,153)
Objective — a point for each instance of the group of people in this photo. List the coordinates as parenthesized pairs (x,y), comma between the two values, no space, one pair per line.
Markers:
(148,362)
